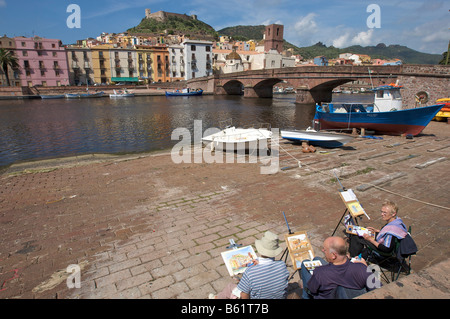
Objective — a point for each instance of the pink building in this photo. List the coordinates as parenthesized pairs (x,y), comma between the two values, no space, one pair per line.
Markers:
(42,61)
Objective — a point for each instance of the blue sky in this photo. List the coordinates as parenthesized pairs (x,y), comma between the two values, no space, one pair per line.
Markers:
(420,25)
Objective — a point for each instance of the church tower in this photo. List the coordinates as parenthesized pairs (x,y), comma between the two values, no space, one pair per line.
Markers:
(273,38)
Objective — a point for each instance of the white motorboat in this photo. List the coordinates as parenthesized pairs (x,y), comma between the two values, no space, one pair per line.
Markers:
(317,138)
(239,139)
(120,93)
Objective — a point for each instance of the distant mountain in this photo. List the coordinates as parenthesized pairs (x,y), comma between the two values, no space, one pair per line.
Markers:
(380,51)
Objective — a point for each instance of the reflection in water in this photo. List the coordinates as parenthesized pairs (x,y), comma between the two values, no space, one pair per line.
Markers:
(37,129)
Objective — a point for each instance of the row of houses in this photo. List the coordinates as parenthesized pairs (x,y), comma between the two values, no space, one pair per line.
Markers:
(48,62)
(353,59)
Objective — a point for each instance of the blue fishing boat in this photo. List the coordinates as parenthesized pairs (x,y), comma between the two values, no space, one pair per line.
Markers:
(185,92)
(384,116)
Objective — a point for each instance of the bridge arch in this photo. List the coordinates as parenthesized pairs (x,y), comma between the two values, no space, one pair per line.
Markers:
(264,88)
(233,87)
(324,91)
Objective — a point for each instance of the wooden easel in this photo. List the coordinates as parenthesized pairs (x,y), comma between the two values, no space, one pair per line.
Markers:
(299,250)
(352,207)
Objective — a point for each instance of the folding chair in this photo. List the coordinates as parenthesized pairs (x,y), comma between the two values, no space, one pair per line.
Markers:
(398,260)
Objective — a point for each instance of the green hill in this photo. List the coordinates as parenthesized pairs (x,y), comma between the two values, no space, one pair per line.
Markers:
(175,25)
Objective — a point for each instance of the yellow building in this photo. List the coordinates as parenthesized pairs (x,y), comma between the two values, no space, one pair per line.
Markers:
(101,63)
(252,45)
(153,63)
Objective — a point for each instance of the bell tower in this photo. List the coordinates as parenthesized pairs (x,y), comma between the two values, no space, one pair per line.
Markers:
(273,37)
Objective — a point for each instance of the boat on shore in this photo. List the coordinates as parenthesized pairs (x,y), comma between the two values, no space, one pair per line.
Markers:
(185,92)
(83,95)
(385,116)
(121,93)
(444,113)
(233,139)
(317,138)
(54,96)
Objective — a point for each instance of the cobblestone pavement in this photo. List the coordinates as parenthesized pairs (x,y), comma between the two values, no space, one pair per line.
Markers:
(144,227)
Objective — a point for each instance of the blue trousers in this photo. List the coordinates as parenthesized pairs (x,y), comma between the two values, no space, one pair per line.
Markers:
(306,275)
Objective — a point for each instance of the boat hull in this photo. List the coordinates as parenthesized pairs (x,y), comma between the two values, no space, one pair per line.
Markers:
(408,121)
(121,95)
(46,97)
(328,140)
(232,139)
(195,93)
(83,95)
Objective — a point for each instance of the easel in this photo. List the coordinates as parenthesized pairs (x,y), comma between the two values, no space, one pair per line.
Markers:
(233,245)
(352,206)
(303,252)
(286,251)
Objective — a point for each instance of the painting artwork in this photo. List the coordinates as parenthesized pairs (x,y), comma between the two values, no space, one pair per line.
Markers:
(237,260)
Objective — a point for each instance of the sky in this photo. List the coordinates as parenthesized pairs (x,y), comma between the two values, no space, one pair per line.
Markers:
(419,25)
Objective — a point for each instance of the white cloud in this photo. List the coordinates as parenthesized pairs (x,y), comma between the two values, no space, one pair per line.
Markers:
(342,41)
(2,3)
(306,24)
(363,38)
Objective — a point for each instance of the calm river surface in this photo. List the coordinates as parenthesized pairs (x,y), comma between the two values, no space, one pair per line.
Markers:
(41,129)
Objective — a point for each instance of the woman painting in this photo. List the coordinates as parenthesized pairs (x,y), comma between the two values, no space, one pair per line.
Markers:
(383,242)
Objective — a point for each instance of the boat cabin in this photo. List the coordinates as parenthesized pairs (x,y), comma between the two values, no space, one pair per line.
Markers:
(387,98)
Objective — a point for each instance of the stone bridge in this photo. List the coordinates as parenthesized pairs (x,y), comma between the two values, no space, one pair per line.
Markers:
(314,84)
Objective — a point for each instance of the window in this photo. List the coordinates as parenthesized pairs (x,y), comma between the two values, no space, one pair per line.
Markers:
(192,47)
(208,49)
(25,53)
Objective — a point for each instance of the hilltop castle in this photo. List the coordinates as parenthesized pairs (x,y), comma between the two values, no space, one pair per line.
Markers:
(162,15)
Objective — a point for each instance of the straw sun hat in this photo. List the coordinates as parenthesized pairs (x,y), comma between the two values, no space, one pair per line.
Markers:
(268,245)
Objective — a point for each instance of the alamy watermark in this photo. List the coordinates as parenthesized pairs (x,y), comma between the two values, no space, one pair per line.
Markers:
(374,20)
(74,279)
(183,152)
(74,19)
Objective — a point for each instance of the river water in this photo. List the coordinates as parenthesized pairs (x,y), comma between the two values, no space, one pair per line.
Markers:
(42,129)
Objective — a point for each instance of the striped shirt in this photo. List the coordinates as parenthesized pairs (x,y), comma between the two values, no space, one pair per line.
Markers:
(266,280)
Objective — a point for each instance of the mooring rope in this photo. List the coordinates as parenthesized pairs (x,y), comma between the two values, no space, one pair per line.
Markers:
(370,184)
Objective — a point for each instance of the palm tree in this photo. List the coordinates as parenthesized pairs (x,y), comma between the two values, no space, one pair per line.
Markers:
(8,59)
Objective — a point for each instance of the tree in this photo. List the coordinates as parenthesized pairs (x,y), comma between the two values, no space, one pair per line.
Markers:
(8,60)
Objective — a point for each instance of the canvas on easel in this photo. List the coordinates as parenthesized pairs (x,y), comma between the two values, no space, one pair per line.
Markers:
(352,203)
(299,248)
(238,260)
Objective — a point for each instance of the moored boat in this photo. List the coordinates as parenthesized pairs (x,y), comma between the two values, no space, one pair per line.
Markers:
(54,96)
(239,139)
(444,113)
(83,95)
(385,116)
(313,137)
(185,92)
(121,93)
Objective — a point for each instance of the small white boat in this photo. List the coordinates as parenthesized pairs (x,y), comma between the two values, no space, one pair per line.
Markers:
(314,137)
(55,96)
(239,139)
(120,93)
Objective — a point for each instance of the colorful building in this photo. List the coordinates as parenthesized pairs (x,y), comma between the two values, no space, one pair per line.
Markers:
(41,61)
(80,66)
(101,64)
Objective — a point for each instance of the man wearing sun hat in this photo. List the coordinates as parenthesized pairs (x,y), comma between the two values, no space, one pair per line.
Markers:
(268,279)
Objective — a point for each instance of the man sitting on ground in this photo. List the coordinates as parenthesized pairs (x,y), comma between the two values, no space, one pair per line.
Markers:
(336,271)
(266,279)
